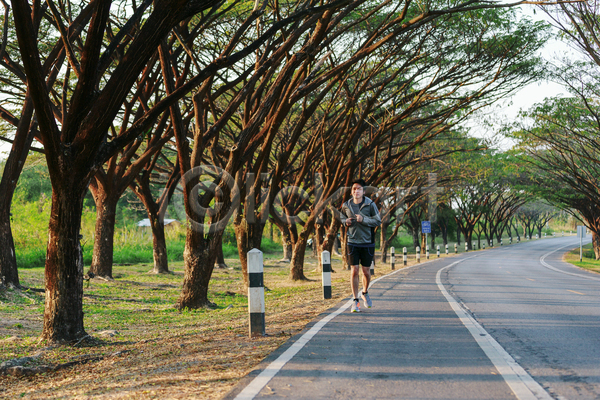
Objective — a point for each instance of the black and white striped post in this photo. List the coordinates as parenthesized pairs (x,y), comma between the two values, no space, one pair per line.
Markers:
(455,248)
(491,243)
(393,257)
(438,251)
(474,246)
(404,256)
(256,293)
(326,262)
(537,236)
(466,247)
(372,270)
(427,252)
(483,245)
(418,251)
(501,244)
(446,248)
(518,239)
(510,240)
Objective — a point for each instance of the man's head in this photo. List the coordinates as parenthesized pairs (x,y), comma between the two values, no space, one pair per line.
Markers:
(358,190)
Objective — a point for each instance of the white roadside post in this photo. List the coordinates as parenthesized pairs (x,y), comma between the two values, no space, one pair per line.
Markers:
(510,240)
(418,251)
(446,248)
(483,245)
(501,244)
(393,257)
(427,251)
(256,293)
(491,243)
(466,247)
(326,262)
(404,256)
(455,248)
(438,251)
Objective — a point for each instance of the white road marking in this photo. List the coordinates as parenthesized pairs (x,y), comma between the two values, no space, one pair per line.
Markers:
(520,382)
(258,383)
(545,264)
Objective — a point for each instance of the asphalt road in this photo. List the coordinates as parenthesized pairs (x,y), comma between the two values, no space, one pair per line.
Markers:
(509,322)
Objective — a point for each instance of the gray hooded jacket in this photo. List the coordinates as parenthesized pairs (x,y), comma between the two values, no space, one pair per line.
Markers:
(362,233)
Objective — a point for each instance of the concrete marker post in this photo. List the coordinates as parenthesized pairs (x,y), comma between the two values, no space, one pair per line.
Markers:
(483,245)
(393,257)
(501,243)
(418,251)
(427,252)
(466,247)
(326,262)
(438,251)
(404,256)
(256,293)
(510,240)
(491,243)
(455,248)
(446,248)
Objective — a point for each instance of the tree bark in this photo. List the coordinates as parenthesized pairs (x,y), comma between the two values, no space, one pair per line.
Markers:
(248,237)
(9,274)
(63,315)
(159,245)
(596,245)
(106,208)
(199,257)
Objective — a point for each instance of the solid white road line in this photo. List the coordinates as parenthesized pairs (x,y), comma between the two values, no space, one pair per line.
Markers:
(545,264)
(520,382)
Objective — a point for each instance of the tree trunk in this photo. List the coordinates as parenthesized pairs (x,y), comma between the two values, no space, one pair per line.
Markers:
(159,248)
(297,262)
(9,275)
(199,258)
(383,241)
(220,257)
(102,259)
(248,237)
(596,245)
(63,315)
(286,243)
(344,247)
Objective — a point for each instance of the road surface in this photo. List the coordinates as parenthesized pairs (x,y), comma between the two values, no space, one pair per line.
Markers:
(504,323)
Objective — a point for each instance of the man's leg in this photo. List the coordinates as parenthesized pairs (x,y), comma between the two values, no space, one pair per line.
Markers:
(354,281)
(366,278)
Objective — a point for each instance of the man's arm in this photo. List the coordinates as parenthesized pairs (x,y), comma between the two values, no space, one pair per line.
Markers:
(373,221)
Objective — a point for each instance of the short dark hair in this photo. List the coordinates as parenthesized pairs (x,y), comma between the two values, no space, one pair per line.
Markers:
(360,181)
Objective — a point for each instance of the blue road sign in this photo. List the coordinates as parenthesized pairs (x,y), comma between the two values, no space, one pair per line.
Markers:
(425,227)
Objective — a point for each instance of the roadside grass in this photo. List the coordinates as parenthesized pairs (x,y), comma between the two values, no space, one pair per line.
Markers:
(589,259)
(143,347)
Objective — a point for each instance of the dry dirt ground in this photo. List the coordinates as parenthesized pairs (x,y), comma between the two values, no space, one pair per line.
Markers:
(195,356)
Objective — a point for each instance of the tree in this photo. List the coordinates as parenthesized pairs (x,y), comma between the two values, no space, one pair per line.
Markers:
(100,67)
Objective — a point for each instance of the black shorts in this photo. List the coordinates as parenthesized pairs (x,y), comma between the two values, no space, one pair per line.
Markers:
(361,255)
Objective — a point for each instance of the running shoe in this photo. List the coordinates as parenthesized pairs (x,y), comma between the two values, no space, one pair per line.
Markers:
(367,299)
(355,306)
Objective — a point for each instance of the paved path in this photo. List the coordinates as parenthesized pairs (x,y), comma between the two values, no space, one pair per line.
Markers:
(495,324)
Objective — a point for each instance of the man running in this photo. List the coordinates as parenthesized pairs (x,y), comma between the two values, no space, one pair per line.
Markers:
(361,216)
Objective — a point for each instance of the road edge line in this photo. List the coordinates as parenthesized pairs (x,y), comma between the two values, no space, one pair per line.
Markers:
(520,382)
